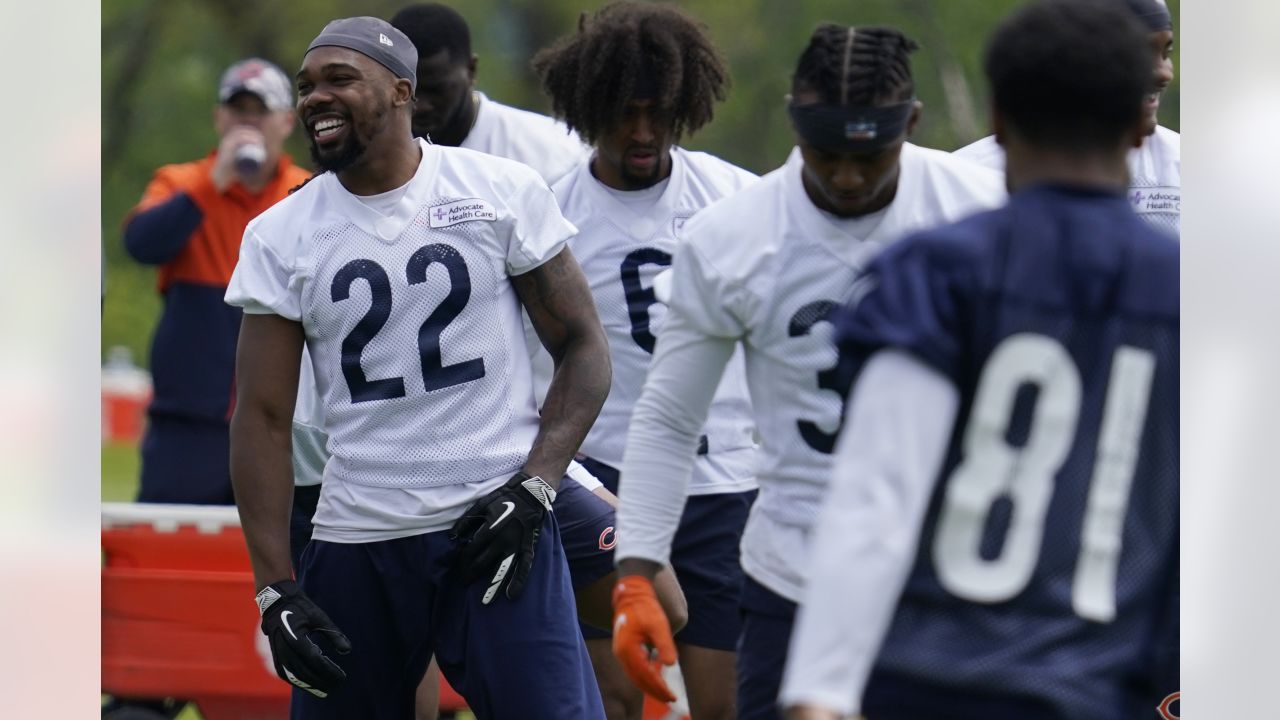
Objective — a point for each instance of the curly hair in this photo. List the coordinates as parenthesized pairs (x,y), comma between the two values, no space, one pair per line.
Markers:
(592,74)
(856,66)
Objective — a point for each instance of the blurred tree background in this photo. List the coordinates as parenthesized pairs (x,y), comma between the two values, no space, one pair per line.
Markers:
(162,60)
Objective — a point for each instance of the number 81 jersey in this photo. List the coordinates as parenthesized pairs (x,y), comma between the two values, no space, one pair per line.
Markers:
(1047,565)
(411,321)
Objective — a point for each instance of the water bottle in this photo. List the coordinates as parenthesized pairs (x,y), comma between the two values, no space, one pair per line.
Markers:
(249,158)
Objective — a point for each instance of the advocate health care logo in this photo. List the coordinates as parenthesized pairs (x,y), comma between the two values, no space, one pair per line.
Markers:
(1165,708)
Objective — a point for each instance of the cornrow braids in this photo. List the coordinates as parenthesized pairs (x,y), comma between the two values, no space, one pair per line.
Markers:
(857,65)
(629,46)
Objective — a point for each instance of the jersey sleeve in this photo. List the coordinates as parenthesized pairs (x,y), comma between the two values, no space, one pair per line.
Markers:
(263,283)
(707,300)
(662,438)
(539,231)
(906,300)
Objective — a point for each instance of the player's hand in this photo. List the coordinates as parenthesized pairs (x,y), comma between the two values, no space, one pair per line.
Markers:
(501,531)
(642,638)
(292,624)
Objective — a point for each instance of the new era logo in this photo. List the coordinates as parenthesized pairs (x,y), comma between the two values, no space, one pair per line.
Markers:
(385,40)
(860,130)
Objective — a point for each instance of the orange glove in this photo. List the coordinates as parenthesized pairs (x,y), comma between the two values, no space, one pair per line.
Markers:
(639,629)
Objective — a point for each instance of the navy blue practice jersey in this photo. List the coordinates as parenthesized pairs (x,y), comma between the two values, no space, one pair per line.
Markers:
(1047,567)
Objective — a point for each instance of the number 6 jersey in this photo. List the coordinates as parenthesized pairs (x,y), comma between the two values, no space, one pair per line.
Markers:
(621,249)
(412,325)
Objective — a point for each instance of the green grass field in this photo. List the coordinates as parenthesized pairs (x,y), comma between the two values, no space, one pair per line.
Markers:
(119,473)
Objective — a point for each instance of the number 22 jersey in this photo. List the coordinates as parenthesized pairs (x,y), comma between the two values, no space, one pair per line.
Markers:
(414,331)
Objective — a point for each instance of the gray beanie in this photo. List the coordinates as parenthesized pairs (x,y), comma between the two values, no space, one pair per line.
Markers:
(376,39)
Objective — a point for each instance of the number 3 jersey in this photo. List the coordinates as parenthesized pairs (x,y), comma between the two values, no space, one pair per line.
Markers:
(413,328)
(765,267)
(1047,566)
(621,249)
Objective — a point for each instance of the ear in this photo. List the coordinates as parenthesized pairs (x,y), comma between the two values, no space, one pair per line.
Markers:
(472,65)
(403,93)
(917,111)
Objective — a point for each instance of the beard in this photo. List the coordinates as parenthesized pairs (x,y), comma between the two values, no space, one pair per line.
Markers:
(336,161)
(641,181)
(352,149)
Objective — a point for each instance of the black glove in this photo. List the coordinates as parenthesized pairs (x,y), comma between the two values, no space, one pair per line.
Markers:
(500,531)
(291,623)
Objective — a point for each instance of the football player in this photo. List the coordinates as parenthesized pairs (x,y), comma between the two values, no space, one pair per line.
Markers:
(632,80)
(404,267)
(762,269)
(1001,535)
(448,111)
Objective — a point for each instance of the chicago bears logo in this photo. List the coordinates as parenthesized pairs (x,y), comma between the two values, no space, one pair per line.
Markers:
(608,538)
(1165,708)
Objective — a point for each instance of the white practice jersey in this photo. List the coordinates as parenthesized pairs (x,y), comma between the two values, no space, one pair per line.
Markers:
(538,141)
(542,143)
(1155,175)
(621,251)
(764,268)
(414,332)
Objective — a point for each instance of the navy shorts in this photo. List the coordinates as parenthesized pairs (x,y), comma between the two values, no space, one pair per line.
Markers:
(186,460)
(705,557)
(399,601)
(767,619)
(586,531)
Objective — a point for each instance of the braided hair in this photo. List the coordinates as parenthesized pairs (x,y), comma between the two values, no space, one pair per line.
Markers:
(856,66)
(593,73)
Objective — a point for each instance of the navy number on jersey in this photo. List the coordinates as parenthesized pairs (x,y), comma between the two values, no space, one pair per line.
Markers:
(992,469)
(640,298)
(435,375)
(802,323)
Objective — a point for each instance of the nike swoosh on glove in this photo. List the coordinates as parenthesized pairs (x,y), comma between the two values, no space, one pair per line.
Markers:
(642,638)
(292,624)
(500,532)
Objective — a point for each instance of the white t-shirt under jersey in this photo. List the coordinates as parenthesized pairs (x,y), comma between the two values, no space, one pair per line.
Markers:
(542,143)
(624,240)
(1155,174)
(414,332)
(762,268)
